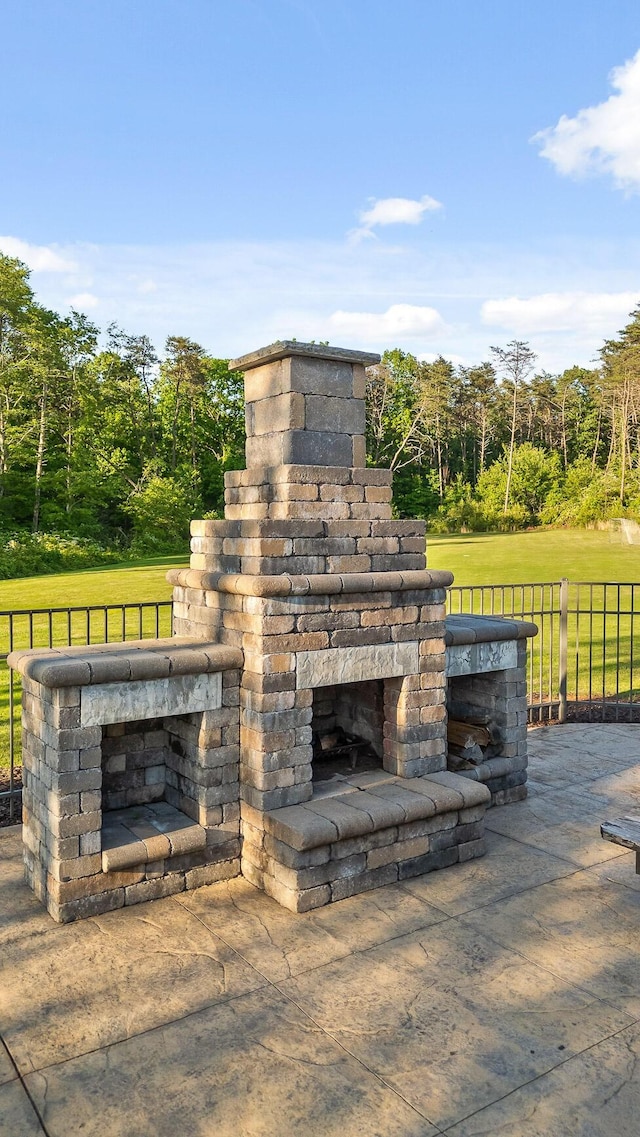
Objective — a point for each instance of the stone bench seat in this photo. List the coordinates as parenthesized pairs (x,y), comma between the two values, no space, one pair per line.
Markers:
(473,629)
(132,660)
(145,833)
(370,802)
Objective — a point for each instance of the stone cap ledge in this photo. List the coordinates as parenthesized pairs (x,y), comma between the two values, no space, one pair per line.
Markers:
(390,801)
(320,584)
(282,349)
(83,666)
(486,629)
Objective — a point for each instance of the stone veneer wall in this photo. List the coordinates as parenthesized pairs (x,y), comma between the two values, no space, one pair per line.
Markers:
(276,694)
(502,695)
(134,756)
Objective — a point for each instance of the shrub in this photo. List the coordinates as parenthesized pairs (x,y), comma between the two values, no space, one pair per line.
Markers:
(160,510)
(29,554)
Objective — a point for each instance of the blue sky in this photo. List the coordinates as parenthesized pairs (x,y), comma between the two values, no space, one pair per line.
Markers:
(439,176)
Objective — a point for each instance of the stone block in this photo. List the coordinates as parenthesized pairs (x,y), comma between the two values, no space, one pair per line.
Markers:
(321,377)
(147,699)
(331,414)
(329,448)
(417,866)
(278,413)
(364,882)
(154,889)
(354,665)
(211,874)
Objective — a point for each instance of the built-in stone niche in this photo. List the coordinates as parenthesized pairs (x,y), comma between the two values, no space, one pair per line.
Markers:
(134,761)
(347,728)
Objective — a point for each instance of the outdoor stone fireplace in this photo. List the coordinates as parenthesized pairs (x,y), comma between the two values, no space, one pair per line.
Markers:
(295,727)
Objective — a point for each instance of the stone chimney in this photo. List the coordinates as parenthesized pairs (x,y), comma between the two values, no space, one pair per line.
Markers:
(305,404)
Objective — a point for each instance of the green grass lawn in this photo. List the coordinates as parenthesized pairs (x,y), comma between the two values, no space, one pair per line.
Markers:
(535,556)
(113,584)
(477,558)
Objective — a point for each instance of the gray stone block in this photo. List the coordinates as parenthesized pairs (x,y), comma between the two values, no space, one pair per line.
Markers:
(339,416)
(317,448)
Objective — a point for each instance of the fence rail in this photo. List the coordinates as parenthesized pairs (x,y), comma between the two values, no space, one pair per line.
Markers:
(59,627)
(582,662)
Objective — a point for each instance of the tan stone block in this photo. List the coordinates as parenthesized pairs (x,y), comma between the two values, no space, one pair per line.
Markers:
(211,874)
(354,563)
(75,825)
(359,381)
(295,900)
(270,664)
(341,493)
(76,867)
(433,714)
(287,491)
(296,641)
(266,741)
(268,703)
(267,381)
(377,493)
(359,450)
(405,615)
(247,512)
(154,889)
(370,510)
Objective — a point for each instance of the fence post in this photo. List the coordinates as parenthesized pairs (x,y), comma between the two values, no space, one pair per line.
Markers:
(563,648)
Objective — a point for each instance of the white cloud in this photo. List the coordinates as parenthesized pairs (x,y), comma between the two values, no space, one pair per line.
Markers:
(83,300)
(593,313)
(39,258)
(146,286)
(232,296)
(399,321)
(393,211)
(604,139)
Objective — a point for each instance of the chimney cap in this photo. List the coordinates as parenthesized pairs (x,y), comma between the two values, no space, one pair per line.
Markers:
(282,349)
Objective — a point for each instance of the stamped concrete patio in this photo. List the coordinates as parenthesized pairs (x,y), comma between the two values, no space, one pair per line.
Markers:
(501,996)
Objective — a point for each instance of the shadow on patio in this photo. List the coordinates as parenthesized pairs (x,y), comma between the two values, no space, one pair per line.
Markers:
(501,996)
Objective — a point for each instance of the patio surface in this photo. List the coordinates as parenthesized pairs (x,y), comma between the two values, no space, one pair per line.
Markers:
(498,997)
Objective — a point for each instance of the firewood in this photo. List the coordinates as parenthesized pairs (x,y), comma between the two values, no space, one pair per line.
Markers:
(473,754)
(467,734)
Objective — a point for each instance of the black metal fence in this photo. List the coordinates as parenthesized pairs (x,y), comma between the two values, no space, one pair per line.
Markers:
(583,662)
(59,627)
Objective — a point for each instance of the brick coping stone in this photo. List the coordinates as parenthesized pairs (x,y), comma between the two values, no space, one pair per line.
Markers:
(486,629)
(83,666)
(281,349)
(318,584)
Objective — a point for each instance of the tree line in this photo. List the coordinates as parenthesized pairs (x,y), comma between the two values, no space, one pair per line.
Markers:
(104,443)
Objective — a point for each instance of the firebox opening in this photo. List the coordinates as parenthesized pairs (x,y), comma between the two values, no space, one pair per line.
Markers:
(347,729)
